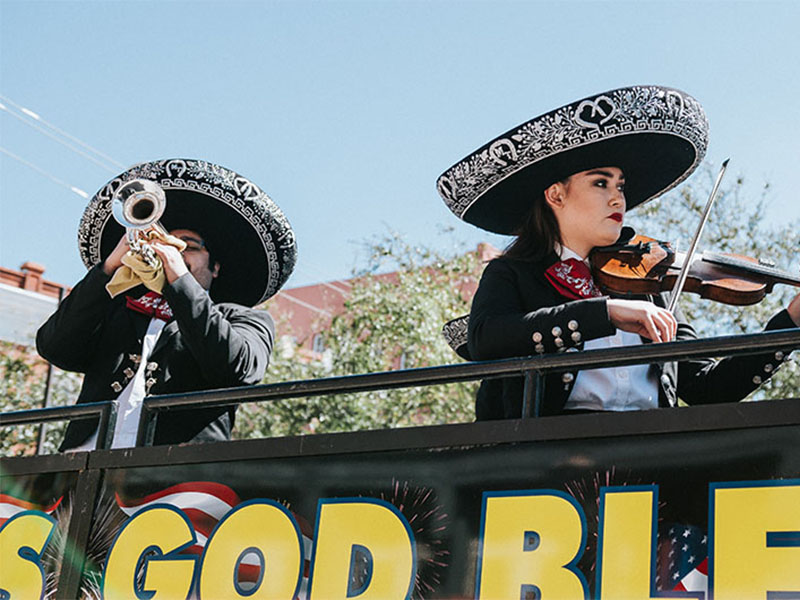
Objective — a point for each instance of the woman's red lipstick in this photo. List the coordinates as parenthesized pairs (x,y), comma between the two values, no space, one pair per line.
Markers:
(616,216)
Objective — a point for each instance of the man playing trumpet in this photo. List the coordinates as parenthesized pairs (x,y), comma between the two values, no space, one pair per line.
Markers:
(181,323)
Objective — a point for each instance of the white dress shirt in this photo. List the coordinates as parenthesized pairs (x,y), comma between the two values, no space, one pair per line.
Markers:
(614,388)
(129,401)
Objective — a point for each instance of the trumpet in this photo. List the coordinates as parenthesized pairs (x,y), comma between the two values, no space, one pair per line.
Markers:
(138,205)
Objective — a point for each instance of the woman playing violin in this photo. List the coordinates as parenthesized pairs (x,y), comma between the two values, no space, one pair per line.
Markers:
(559,183)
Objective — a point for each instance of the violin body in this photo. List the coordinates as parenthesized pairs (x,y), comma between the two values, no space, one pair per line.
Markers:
(644,265)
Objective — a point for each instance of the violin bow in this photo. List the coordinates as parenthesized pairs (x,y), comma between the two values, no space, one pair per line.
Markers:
(676,291)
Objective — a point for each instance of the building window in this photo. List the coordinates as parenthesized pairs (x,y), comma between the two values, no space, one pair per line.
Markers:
(318,343)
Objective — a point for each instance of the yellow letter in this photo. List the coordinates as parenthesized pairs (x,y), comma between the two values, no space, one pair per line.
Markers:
(530,542)
(260,527)
(626,542)
(369,528)
(756,539)
(22,540)
(162,529)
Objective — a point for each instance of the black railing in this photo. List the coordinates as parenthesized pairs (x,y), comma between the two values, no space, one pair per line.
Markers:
(532,368)
(107,411)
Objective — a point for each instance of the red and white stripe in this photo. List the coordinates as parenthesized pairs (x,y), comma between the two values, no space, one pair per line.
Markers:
(696,580)
(203,502)
(10,506)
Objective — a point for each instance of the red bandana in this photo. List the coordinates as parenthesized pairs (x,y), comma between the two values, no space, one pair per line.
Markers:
(152,304)
(572,279)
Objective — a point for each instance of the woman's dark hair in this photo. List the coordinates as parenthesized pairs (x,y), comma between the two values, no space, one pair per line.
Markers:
(539,233)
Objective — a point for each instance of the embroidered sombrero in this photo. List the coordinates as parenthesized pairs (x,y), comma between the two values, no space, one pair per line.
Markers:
(246,231)
(656,135)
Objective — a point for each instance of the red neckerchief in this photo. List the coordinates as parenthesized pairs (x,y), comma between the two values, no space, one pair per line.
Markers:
(572,279)
(151,304)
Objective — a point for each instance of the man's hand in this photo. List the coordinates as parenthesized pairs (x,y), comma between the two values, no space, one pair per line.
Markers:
(172,259)
(114,260)
(643,318)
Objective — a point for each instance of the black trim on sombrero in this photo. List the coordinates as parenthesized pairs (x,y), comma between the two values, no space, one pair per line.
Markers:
(656,135)
(245,229)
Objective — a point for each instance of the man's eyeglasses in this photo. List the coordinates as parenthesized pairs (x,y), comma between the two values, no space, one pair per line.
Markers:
(193,244)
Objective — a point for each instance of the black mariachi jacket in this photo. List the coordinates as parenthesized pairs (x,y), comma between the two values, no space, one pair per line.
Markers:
(517,312)
(206,346)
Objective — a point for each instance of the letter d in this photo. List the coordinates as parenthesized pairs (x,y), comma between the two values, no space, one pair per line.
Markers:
(369,528)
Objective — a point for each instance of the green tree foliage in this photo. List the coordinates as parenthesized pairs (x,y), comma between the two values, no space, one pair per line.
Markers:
(23,376)
(389,322)
(737,226)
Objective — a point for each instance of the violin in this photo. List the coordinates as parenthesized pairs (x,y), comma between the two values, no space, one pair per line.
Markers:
(643,265)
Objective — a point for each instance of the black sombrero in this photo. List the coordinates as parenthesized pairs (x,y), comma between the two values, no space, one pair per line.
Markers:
(244,228)
(656,135)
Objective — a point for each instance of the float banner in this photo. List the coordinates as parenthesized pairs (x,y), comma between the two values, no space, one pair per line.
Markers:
(698,515)
(35,515)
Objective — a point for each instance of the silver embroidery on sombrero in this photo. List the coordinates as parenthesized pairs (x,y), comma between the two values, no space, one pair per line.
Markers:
(622,112)
(241,194)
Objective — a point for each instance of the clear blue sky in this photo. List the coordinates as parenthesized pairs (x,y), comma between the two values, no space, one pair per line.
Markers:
(345,112)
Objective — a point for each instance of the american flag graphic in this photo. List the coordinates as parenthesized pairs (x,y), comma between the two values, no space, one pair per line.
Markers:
(205,503)
(10,506)
(696,580)
(683,559)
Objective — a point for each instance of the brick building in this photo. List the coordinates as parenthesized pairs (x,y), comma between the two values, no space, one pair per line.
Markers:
(304,312)
(26,300)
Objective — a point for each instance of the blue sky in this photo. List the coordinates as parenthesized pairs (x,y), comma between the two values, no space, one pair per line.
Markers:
(345,112)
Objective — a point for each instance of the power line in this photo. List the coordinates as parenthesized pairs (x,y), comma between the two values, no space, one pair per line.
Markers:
(56,139)
(32,115)
(41,171)
(333,285)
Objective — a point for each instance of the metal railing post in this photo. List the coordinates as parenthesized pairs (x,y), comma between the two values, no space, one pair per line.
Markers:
(532,393)
(527,393)
(87,490)
(147,426)
(105,428)
(538,394)
(48,387)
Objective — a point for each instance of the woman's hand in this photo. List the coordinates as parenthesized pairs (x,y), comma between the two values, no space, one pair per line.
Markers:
(794,310)
(643,318)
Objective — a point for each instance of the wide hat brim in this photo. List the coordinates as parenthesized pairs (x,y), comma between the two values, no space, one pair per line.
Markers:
(245,230)
(656,135)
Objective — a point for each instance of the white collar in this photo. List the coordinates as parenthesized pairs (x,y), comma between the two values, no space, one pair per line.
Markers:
(565,253)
